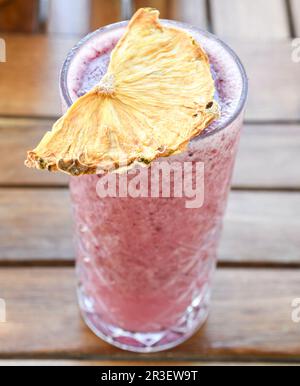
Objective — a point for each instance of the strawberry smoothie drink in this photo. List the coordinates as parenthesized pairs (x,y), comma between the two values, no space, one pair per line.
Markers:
(145,264)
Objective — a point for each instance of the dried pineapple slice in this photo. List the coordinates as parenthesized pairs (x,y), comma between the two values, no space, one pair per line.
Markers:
(157,94)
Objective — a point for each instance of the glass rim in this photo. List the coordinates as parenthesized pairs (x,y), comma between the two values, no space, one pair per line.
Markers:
(63,80)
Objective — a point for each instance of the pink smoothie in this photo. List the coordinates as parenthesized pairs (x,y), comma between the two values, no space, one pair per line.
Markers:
(145,264)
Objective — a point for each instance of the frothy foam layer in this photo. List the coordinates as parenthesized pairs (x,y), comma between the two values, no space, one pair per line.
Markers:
(92,59)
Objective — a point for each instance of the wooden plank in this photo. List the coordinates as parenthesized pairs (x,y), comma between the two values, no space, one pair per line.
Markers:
(273,80)
(161,5)
(29,78)
(36,94)
(37,224)
(104,12)
(69,17)
(16,138)
(269,155)
(250,318)
(260,228)
(253,19)
(192,12)
(295,8)
(19,16)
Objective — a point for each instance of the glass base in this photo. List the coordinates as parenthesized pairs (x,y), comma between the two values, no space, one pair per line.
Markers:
(146,342)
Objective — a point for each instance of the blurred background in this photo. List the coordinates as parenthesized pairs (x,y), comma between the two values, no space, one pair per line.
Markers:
(254,314)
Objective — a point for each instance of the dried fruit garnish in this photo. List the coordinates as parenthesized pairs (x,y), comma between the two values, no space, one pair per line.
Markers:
(157,95)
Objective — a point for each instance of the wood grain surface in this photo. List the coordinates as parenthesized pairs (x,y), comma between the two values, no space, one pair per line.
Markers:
(250,318)
(259,265)
(250,19)
(29,78)
(268,157)
(22,135)
(104,13)
(40,58)
(273,80)
(35,222)
(260,228)
(19,16)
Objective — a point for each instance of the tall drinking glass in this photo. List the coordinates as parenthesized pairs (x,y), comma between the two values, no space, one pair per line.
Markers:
(145,262)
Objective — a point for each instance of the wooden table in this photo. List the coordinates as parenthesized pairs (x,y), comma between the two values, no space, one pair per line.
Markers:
(259,265)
